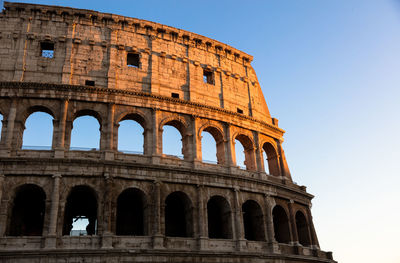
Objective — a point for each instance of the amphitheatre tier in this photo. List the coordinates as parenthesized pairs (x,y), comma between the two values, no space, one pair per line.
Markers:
(148,206)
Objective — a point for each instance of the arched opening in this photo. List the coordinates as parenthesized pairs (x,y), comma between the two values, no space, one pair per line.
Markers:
(281,225)
(253,221)
(131,213)
(244,151)
(272,164)
(212,146)
(28,210)
(219,218)
(240,157)
(302,229)
(178,215)
(130,137)
(85,134)
(172,139)
(80,216)
(208,148)
(38,133)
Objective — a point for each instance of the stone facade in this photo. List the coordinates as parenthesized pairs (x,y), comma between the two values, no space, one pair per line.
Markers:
(71,63)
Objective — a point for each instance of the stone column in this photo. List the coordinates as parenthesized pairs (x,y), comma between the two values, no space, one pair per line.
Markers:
(293,227)
(202,223)
(314,238)
(2,177)
(158,239)
(258,153)
(3,209)
(230,147)
(156,138)
(60,143)
(106,241)
(239,229)
(282,161)
(109,134)
(269,204)
(51,241)
(10,124)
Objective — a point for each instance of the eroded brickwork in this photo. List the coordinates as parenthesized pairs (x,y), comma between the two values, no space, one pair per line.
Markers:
(71,63)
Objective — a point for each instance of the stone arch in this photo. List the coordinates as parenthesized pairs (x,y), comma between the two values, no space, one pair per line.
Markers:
(253,221)
(180,124)
(81,203)
(86,112)
(138,118)
(175,121)
(302,227)
(219,216)
(219,138)
(248,146)
(36,108)
(272,158)
(178,215)
(33,135)
(22,116)
(27,211)
(132,213)
(281,224)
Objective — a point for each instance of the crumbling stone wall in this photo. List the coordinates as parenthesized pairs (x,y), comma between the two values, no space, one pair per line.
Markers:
(71,63)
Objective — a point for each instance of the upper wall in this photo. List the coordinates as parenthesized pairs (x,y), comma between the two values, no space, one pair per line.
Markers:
(94,46)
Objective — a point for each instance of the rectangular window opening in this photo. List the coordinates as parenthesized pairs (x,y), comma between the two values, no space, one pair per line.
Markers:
(47,49)
(239,111)
(208,76)
(133,60)
(89,82)
(175,95)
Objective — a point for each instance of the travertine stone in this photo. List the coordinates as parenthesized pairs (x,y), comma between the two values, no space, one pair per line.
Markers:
(182,79)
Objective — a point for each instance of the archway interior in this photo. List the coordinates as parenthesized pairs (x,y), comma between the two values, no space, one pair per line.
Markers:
(38,133)
(281,225)
(131,205)
(253,221)
(208,148)
(130,137)
(219,218)
(240,155)
(178,215)
(80,212)
(172,141)
(302,229)
(28,211)
(270,156)
(85,134)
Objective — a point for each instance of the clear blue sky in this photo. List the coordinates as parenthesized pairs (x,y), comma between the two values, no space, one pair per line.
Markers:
(330,73)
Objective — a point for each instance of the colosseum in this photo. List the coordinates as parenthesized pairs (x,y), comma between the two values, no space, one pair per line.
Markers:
(140,206)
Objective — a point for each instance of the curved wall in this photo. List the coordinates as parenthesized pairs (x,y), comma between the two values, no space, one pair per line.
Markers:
(186,210)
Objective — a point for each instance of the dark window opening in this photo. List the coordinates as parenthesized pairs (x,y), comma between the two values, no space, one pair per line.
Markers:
(302,229)
(219,218)
(253,221)
(208,76)
(131,206)
(175,95)
(133,60)
(80,216)
(28,210)
(47,49)
(281,225)
(89,82)
(178,215)
(239,111)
